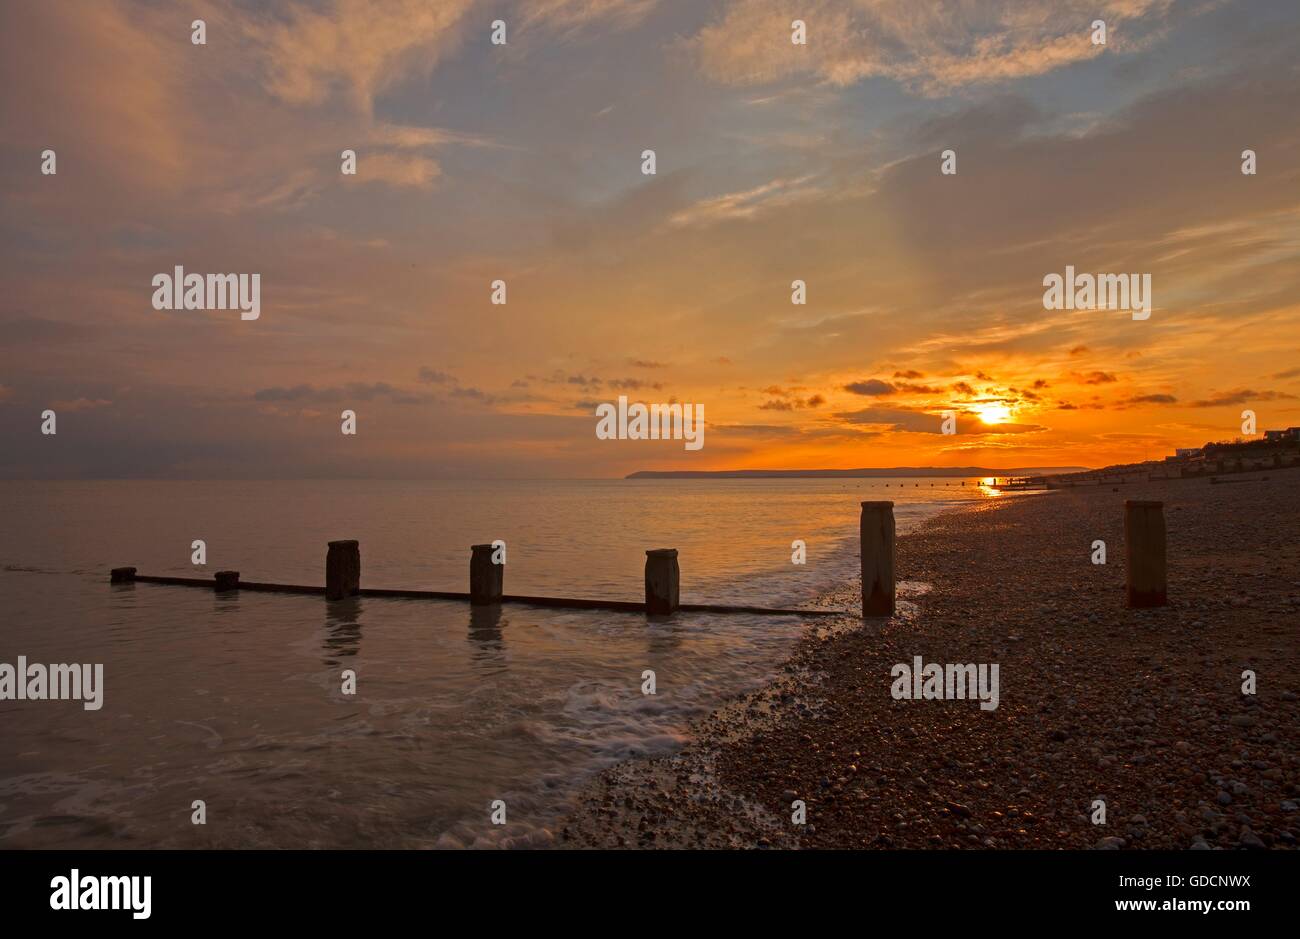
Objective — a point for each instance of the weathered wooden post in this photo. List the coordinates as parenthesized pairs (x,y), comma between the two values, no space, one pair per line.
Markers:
(226,580)
(486,580)
(122,575)
(342,570)
(662,581)
(877,547)
(1144,543)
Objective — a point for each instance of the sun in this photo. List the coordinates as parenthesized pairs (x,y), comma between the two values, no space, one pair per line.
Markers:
(993,413)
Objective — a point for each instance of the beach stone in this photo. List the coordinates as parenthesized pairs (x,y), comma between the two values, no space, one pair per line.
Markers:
(1223,798)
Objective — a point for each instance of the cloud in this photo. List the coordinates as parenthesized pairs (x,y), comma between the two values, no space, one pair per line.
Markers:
(902,419)
(1241,397)
(742,205)
(905,265)
(354,47)
(359,49)
(1147,399)
(397,169)
(594,383)
(474,394)
(976,427)
(870,386)
(80,404)
(354,391)
(929,48)
(111,84)
(569,17)
(893,419)
(790,403)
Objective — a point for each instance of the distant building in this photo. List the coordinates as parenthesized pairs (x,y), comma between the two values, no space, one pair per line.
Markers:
(1277,436)
(1186,453)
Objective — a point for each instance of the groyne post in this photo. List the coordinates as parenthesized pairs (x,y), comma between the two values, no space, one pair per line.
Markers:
(122,575)
(225,580)
(877,548)
(1144,544)
(486,580)
(342,570)
(662,581)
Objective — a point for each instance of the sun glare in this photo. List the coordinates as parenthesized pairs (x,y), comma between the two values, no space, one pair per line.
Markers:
(993,413)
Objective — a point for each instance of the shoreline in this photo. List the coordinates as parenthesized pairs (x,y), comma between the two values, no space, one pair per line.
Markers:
(1142,709)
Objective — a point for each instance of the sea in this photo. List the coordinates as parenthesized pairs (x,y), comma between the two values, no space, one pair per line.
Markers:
(231,709)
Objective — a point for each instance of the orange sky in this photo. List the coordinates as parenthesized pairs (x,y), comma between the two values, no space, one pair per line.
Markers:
(523,163)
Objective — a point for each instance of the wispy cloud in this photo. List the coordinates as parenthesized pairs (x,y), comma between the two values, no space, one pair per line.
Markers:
(743,205)
(930,48)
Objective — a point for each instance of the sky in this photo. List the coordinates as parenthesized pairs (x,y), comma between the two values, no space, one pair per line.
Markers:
(522,162)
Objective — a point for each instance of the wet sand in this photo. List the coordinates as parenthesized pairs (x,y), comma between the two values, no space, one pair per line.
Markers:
(1140,708)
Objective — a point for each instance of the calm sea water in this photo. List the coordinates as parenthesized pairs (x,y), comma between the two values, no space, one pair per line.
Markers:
(236,700)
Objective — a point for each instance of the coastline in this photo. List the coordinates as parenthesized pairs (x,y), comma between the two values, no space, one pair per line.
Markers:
(1140,708)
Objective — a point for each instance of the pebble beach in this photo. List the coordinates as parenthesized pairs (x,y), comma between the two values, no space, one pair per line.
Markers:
(1140,710)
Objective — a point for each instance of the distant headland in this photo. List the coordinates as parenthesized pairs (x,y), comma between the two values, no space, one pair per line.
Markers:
(876,472)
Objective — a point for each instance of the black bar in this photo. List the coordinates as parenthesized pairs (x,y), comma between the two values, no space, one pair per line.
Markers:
(986,890)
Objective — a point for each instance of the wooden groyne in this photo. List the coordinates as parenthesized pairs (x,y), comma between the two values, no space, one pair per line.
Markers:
(1144,553)
(1145,580)
(876,541)
(1144,542)
(343,579)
